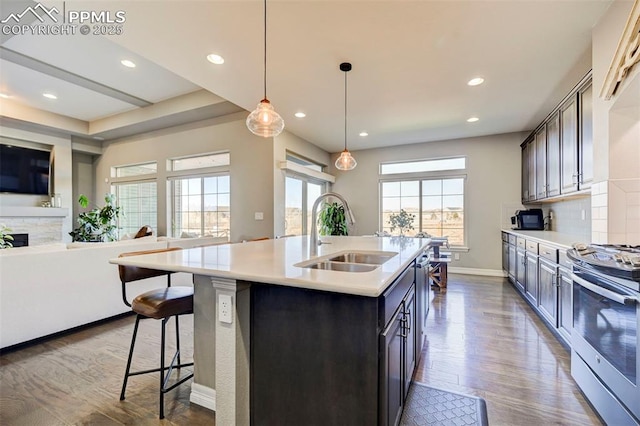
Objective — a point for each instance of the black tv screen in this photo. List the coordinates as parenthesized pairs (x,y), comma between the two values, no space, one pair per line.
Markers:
(24,170)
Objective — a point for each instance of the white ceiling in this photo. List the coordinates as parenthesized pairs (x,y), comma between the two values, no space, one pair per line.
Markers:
(411,61)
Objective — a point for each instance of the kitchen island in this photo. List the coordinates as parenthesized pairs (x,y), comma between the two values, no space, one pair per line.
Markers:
(302,343)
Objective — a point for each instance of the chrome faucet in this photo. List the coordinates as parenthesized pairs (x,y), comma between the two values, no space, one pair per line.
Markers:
(315,241)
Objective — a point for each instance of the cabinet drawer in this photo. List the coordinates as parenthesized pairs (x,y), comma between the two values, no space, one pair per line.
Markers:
(512,239)
(532,247)
(548,252)
(521,242)
(392,297)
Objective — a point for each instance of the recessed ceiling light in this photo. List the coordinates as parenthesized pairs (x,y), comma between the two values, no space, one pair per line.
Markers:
(472,119)
(363,134)
(49,96)
(475,81)
(300,114)
(4,96)
(127,63)
(215,59)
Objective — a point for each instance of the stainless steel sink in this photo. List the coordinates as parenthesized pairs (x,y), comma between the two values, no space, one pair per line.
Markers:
(341,266)
(377,258)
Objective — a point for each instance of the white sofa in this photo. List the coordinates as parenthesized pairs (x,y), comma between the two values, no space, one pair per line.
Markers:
(55,287)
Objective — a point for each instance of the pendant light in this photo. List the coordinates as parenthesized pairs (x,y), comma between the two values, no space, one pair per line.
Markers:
(346,160)
(264,120)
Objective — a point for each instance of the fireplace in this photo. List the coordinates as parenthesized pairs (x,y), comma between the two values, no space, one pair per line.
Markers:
(20,240)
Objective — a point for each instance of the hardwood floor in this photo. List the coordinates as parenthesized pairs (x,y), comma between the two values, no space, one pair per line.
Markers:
(76,379)
(483,340)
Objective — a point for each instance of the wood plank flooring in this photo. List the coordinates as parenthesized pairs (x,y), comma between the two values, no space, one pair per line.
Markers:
(482,340)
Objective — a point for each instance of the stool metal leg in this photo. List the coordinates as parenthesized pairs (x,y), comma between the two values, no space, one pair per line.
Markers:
(162,375)
(178,338)
(126,373)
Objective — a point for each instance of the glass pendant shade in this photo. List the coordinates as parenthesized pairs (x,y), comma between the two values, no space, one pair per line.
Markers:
(346,161)
(265,121)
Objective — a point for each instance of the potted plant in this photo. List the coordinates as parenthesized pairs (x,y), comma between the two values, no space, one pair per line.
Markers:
(5,237)
(98,224)
(333,220)
(403,221)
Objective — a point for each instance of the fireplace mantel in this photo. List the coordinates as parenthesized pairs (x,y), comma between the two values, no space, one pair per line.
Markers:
(22,211)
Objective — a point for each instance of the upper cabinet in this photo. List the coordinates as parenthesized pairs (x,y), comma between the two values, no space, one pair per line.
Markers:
(557,158)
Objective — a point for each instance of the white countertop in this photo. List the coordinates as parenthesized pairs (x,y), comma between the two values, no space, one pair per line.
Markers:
(273,261)
(557,238)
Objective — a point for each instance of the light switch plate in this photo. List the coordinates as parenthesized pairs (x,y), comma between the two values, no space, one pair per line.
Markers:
(225,309)
(259,215)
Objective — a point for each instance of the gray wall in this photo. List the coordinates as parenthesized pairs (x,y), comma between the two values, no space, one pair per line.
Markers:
(251,167)
(493,188)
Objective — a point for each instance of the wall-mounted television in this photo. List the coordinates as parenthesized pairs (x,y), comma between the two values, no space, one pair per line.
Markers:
(24,170)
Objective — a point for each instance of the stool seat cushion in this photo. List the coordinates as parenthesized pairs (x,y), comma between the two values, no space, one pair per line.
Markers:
(164,302)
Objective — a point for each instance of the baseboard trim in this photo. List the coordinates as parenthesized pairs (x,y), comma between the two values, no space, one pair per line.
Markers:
(478,271)
(203,396)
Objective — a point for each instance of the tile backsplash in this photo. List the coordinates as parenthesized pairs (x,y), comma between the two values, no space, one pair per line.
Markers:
(570,216)
(616,211)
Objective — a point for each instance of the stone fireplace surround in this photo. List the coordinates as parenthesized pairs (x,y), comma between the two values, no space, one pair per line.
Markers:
(44,225)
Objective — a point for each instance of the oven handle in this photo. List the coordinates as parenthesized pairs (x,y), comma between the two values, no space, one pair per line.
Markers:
(616,297)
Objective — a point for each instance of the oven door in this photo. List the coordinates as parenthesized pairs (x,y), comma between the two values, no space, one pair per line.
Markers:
(605,333)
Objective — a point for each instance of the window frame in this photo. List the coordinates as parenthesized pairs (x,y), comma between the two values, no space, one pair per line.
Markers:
(419,177)
(116,181)
(305,181)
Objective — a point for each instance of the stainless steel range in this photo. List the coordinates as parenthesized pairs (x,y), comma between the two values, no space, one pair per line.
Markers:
(606,319)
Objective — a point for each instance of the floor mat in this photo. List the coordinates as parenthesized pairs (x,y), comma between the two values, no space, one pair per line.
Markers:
(430,406)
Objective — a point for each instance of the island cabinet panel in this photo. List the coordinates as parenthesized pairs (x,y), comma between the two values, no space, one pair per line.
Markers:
(323,358)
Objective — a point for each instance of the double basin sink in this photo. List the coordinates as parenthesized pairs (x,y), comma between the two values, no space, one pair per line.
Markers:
(350,261)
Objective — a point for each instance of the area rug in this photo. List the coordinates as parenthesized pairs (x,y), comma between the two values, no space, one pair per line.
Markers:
(430,406)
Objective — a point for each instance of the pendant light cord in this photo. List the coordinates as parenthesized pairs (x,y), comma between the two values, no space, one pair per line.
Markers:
(345,110)
(265,49)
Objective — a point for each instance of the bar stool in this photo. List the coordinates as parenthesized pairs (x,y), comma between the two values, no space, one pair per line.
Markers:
(160,304)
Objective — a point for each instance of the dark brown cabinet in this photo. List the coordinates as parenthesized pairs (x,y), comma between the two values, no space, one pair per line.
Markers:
(521,269)
(541,162)
(553,155)
(548,299)
(557,158)
(569,146)
(585,136)
(391,376)
(305,344)
(565,304)
(532,277)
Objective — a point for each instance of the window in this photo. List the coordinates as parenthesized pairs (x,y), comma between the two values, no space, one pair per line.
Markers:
(201,206)
(136,193)
(436,201)
(300,193)
(457,163)
(200,188)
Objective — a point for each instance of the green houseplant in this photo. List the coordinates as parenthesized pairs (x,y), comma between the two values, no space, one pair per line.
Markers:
(333,220)
(5,237)
(403,221)
(98,224)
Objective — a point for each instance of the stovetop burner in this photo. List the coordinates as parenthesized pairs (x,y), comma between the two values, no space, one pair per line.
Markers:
(619,260)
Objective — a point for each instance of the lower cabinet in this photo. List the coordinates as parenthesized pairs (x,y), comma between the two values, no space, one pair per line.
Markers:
(319,357)
(532,277)
(392,343)
(512,263)
(521,270)
(548,301)
(565,304)
(398,359)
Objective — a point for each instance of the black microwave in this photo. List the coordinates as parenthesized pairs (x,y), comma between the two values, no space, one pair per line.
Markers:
(531,219)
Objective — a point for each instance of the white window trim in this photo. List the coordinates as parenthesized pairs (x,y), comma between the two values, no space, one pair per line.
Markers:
(426,176)
(298,169)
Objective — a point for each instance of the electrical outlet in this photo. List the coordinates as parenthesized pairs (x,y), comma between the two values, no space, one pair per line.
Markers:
(456,256)
(224,309)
